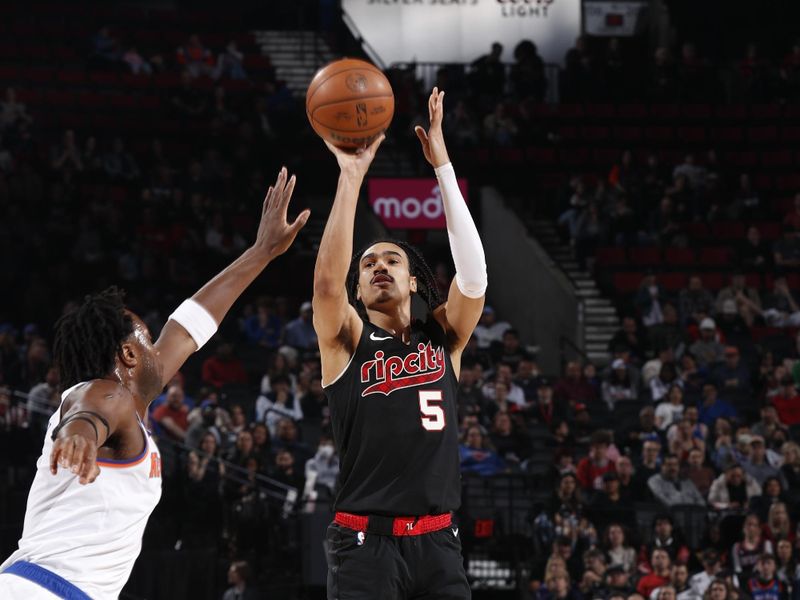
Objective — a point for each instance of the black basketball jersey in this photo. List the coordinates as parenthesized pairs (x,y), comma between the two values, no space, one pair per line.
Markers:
(395,424)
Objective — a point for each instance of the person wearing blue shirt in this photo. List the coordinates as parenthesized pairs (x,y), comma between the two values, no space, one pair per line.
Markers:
(264,327)
(712,407)
(300,332)
(477,456)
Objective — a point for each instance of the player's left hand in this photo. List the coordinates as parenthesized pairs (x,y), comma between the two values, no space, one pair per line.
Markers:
(275,233)
(432,141)
(78,454)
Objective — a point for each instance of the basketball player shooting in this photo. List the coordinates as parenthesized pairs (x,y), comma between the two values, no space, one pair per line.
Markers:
(392,384)
(99,475)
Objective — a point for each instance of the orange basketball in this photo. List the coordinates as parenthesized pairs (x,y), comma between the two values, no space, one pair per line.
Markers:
(349,102)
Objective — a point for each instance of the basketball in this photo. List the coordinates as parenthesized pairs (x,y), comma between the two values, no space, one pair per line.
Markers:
(349,103)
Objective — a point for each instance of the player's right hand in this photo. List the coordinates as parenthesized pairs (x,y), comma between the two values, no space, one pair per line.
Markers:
(356,163)
(78,454)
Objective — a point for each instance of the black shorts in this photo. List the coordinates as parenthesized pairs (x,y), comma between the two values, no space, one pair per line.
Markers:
(365,566)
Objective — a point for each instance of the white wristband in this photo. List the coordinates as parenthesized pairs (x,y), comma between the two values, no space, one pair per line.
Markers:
(196,320)
(465,243)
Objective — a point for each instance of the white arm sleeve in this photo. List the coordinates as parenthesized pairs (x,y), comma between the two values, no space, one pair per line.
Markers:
(196,320)
(465,243)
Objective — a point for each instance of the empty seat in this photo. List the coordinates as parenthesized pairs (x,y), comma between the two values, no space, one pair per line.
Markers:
(715,257)
(647,255)
(672,282)
(611,256)
(627,283)
(728,231)
(679,256)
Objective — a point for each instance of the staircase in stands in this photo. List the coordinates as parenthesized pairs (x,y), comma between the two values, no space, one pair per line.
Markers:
(600,319)
(296,56)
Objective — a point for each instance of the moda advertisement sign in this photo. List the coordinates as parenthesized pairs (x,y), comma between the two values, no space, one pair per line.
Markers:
(402,31)
(409,203)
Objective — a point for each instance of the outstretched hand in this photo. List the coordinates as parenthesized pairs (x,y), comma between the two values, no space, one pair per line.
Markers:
(432,141)
(78,454)
(356,163)
(275,233)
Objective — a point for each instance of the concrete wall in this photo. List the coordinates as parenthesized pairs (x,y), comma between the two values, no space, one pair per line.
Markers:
(525,287)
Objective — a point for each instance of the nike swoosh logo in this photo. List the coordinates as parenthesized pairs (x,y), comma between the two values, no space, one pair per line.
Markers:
(455,531)
(375,338)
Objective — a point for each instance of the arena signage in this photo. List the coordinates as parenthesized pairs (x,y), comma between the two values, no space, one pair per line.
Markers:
(402,31)
(409,203)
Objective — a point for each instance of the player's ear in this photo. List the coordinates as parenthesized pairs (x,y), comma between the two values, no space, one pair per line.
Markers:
(413,284)
(358,291)
(127,355)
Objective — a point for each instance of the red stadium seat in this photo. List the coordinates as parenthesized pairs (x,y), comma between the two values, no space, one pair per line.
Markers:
(664,111)
(696,111)
(753,280)
(714,257)
(72,76)
(611,256)
(601,111)
(679,256)
(793,279)
(727,134)
(764,134)
(603,157)
(695,231)
(658,133)
(568,133)
(790,133)
(776,158)
(628,134)
(595,134)
(727,231)
(574,156)
(646,256)
(672,282)
(632,111)
(790,183)
(770,231)
(627,283)
(714,281)
(766,111)
(692,134)
(763,181)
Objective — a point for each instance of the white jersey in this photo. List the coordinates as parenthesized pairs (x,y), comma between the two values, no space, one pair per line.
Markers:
(90,534)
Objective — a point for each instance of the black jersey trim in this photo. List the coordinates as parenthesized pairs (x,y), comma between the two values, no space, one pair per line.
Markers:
(347,366)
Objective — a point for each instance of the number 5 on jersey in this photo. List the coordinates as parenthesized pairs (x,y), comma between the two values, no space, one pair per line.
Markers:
(431,413)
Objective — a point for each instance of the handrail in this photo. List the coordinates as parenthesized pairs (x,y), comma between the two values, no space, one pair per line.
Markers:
(564,342)
(367,47)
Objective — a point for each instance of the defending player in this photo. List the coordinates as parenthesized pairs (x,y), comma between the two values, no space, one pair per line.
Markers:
(391,382)
(99,475)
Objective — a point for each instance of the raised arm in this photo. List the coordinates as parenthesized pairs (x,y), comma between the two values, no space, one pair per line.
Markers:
(464,305)
(197,318)
(336,322)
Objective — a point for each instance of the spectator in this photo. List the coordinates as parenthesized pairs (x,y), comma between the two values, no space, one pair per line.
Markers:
(754,252)
(527,378)
(788,569)
(649,300)
(172,415)
(239,579)
(628,338)
(229,63)
(527,73)
(733,490)
(558,587)
(684,440)
(510,350)
(624,469)
(664,536)
(243,450)
(787,402)
(661,564)
(322,469)
(288,438)
(300,332)
(619,385)
(790,469)
(670,488)
(280,366)
(732,378)
(618,582)
(671,410)
(745,553)
(285,471)
(223,368)
(765,585)
(488,73)
(477,455)
(460,127)
(707,350)
(511,444)
(738,286)
(43,400)
(12,112)
(277,404)
(786,251)
(546,410)
(136,62)
(188,101)
(262,443)
(119,164)
(573,387)
(778,526)
(697,472)
(194,58)
(668,333)
(498,128)
(757,465)
(67,156)
(591,468)
(696,302)
(700,582)
(489,330)
(667,379)
(792,218)
(264,327)
(769,422)
(105,52)
(678,585)
(617,549)
(610,506)
(504,375)
(712,407)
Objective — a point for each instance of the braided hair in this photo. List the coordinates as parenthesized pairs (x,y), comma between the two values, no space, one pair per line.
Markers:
(427,289)
(88,338)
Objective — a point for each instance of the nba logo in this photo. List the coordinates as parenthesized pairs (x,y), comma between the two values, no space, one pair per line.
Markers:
(360,538)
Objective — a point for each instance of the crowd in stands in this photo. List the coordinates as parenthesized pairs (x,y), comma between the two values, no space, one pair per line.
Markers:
(693,417)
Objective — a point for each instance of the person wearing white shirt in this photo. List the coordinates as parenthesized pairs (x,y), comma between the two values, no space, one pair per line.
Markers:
(489,329)
(699,582)
(671,410)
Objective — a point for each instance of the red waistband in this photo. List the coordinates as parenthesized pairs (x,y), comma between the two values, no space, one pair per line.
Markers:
(401,526)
